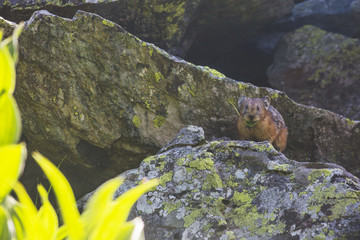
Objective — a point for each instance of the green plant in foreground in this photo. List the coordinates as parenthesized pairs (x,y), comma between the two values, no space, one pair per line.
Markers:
(103,217)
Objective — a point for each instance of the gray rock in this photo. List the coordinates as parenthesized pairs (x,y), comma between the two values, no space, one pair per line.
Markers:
(223,26)
(102,99)
(173,25)
(330,15)
(191,135)
(319,68)
(272,198)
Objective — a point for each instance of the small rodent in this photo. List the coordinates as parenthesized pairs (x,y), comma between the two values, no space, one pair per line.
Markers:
(259,121)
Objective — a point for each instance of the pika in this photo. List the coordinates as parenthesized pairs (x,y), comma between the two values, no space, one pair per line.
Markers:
(259,121)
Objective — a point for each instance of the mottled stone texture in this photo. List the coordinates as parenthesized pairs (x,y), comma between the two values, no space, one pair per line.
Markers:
(319,68)
(172,25)
(101,98)
(243,190)
(331,15)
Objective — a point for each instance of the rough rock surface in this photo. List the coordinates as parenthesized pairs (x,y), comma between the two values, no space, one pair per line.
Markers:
(242,190)
(101,98)
(319,68)
(331,15)
(222,27)
(171,25)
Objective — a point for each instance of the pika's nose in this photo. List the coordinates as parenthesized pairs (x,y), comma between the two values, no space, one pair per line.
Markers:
(251,117)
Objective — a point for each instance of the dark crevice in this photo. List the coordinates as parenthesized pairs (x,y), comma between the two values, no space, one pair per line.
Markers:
(93,155)
(244,62)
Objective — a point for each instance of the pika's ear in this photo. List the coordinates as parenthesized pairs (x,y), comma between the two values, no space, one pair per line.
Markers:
(241,100)
(267,101)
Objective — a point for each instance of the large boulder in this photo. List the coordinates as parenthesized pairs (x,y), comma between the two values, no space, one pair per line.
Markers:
(171,25)
(99,100)
(222,27)
(242,190)
(335,16)
(319,68)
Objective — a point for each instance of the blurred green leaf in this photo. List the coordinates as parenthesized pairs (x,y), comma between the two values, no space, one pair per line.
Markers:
(64,196)
(24,199)
(14,219)
(12,159)
(10,121)
(7,69)
(120,209)
(137,232)
(17,218)
(26,211)
(124,203)
(11,43)
(4,228)
(62,233)
(99,206)
(46,217)
(123,233)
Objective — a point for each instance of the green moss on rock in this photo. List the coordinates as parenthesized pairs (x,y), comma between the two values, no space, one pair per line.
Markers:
(191,218)
(136,121)
(167,177)
(202,164)
(159,121)
(108,23)
(172,206)
(213,180)
(214,72)
(158,76)
(242,86)
(247,216)
(263,147)
(318,173)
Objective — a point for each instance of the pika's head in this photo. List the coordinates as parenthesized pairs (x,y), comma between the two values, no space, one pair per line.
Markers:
(253,109)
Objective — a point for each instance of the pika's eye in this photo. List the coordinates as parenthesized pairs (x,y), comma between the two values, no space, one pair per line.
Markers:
(258,108)
(246,107)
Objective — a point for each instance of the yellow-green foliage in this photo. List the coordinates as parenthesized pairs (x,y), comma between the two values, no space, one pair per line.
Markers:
(103,218)
(9,117)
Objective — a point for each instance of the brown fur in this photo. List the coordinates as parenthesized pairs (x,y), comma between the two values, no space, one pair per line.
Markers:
(260,122)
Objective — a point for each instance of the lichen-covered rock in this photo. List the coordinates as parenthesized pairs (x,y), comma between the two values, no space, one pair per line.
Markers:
(101,100)
(190,136)
(222,27)
(244,190)
(319,68)
(171,25)
(335,16)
